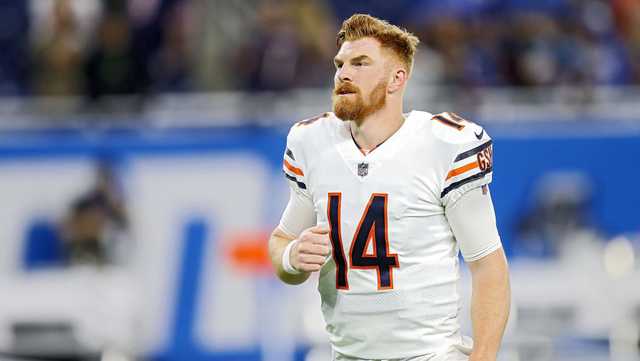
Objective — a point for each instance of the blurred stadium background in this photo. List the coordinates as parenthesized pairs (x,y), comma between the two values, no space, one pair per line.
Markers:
(140,152)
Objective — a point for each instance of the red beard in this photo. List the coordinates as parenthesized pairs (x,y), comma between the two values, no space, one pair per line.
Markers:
(353,107)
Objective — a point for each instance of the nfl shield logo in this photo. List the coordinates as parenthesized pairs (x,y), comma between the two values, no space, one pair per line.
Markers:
(363,169)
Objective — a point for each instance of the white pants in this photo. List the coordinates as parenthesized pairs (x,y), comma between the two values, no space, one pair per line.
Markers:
(453,354)
(340,357)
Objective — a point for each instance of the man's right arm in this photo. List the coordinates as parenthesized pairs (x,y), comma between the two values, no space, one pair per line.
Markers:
(303,245)
(308,253)
(308,244)
(277,244)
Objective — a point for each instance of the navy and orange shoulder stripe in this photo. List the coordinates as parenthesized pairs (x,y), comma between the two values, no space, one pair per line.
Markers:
(291,171)
(470,165)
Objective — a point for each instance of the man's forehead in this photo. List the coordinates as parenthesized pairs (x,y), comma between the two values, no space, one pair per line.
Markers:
(364,46)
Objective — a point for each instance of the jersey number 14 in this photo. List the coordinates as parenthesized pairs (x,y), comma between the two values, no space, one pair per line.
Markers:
(372,228)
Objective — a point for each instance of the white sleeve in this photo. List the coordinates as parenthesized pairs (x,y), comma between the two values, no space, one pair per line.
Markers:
(471,168)
(473,222)
(299,214)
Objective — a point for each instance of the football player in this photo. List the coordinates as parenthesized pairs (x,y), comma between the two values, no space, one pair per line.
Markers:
(381,203)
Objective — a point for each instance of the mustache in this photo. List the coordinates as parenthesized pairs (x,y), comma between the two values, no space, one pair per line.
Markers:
(345,88)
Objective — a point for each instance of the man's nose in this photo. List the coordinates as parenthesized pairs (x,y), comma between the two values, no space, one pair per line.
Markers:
(344,74)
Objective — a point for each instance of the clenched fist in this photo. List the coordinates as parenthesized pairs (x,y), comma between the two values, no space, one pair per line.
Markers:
(311,250)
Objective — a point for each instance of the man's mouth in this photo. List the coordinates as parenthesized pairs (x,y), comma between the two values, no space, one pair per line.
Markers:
(345,92)
(346,89)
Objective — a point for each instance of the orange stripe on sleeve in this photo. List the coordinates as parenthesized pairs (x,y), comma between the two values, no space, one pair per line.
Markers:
(295,170)
(460,170)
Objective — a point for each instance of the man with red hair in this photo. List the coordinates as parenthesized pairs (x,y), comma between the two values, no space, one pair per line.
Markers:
(381,203)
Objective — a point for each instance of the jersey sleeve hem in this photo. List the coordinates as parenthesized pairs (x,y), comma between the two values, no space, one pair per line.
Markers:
(286,231)
(484,252)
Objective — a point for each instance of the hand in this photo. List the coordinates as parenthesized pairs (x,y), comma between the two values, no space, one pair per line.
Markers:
(310,252)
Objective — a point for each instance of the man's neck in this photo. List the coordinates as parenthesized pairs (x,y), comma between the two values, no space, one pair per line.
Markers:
(377,127)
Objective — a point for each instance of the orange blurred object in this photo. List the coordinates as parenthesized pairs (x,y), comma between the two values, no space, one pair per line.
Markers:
(249,252)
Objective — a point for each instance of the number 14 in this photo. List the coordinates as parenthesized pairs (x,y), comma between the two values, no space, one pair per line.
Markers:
(372,226)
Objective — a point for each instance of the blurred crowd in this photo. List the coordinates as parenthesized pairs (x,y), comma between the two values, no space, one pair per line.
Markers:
(93,48)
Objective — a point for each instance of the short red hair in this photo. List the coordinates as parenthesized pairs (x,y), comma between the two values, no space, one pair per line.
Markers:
(400,41)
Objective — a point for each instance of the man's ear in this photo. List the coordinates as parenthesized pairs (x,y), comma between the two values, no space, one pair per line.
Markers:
(397,80)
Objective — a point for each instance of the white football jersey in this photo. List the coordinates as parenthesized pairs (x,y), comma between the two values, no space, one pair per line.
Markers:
(390,287)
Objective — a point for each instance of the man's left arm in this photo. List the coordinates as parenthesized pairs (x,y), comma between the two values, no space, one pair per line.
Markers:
(490,301)
(472,220)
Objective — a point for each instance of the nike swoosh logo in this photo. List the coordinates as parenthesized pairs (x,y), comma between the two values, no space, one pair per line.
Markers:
(479,136)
